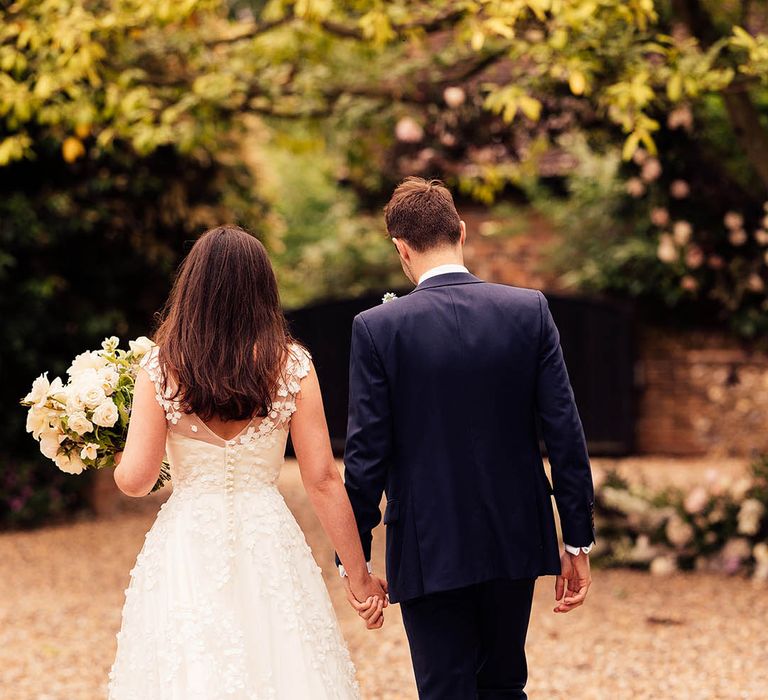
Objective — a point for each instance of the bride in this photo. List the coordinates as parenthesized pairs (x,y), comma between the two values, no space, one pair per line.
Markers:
(225,600)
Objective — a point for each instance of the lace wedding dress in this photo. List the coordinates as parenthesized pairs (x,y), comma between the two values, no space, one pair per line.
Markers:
(225,600)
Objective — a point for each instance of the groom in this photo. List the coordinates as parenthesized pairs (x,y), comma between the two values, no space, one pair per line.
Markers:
(447,386)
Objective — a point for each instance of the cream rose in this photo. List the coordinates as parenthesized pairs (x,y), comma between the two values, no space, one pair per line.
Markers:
(90,389)
(49,443)
(106,414)
(141,346)
(79,423)
(37,421)
(71,464)
(84,362)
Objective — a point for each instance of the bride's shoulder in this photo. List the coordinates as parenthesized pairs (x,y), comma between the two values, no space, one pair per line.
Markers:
(299,361)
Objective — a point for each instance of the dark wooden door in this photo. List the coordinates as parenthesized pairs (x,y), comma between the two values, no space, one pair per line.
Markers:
(596,337)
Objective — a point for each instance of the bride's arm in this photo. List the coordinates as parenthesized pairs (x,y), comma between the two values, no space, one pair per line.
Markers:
(142,457)
(309,433)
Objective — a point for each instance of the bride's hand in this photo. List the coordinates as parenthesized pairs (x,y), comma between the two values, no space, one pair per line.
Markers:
(369,598)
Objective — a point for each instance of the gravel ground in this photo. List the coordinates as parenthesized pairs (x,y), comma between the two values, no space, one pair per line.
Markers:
(686,636)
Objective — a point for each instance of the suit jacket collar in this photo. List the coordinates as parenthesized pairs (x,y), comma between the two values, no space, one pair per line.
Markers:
(449,279)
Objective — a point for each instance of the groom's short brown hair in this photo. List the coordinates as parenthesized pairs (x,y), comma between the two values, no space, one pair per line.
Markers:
(422,213)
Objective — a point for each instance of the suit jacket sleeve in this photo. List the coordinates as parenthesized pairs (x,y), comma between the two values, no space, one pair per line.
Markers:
(564,437)
(369,433)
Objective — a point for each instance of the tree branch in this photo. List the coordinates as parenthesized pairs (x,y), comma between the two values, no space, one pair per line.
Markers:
(349,31)
(251,33)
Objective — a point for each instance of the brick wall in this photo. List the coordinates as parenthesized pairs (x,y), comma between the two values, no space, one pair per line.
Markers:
(700,393)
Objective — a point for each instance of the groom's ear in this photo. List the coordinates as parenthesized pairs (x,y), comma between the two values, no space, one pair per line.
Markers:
(463,236)
(402,249)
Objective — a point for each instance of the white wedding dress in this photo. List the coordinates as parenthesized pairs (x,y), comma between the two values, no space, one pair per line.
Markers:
(226,600)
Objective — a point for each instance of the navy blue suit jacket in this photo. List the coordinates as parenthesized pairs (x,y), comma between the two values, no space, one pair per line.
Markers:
(446,385)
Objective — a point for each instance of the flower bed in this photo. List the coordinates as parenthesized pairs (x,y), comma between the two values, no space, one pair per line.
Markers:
(719,525)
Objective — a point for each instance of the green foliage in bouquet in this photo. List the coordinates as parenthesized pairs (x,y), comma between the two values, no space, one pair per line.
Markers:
(82,424)
(720,525)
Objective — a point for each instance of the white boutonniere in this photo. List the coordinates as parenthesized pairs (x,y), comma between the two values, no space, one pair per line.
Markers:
(389,296)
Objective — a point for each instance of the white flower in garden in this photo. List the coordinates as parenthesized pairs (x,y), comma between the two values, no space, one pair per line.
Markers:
(40,388)
(141,346)
(750,516)
(682,232)
(89,451)
(110,344)
(106,414)
(49,443)
(737,237)
(733,220)
(651,170)
(679,532)
(755,283)
(408,130)
(679,189)
(761,236)
(740,488)
(85,361)
(454,96)
(635,187)
(667,251)
(696,501)
(694,257)
(71,464)
(659,216)
(663,566)
(79,423)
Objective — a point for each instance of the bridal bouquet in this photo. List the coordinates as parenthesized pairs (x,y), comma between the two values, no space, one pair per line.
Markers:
(83,423)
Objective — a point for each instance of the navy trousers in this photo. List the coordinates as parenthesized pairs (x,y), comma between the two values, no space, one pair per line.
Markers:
(469,643)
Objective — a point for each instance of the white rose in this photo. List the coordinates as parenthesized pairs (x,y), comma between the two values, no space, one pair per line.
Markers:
(90,389)
(79,423)
(71,464)
(39,392)
(86,361)
(106,414)
(109,378)
(141,346)
(49,443)
(90,451)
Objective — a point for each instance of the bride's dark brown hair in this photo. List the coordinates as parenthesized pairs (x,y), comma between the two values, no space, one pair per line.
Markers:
(222,336)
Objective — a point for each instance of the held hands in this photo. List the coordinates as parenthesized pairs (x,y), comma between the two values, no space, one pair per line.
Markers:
(572,584)
(369,598)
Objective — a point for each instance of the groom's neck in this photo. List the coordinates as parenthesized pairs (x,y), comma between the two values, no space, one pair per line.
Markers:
(431,259)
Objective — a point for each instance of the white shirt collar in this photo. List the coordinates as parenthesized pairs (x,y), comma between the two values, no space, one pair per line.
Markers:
(442,270)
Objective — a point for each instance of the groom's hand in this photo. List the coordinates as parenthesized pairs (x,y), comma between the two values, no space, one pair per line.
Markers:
(369,598)
(572,584)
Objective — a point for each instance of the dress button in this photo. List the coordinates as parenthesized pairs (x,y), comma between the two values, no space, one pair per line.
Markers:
(193,428)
